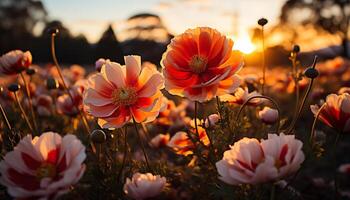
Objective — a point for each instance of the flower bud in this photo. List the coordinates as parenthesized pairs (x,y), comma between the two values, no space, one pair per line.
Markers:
(30,71)
(311,72)
(53,31)
(296,48)
(14,87)
(52,83)
(262,21)
(268,115)
(98,136)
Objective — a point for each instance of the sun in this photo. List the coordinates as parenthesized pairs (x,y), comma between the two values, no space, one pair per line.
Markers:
(244,44)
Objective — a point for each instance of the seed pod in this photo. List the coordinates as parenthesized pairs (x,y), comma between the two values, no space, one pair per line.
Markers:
(262,21)
(53,31)
(98,136)
(311,72)
(14,87)
(296,48)
(52,83)
(30,71)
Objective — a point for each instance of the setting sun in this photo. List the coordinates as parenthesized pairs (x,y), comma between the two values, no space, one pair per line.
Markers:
(244,44)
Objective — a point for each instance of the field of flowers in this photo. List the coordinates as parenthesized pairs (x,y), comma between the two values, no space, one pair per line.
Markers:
(203,126)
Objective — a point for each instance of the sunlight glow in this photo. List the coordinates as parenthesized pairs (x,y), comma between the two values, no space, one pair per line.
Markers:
(244,44)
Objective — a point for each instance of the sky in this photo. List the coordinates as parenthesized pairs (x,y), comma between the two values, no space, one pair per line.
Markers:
(232,17)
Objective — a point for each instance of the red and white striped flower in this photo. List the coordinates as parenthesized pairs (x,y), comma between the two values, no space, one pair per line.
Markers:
(251,162)
(44,167)
(335,112)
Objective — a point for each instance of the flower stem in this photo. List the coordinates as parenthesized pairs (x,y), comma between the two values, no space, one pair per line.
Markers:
(125,153)
(195,117)
(263,61)
(30,101)
(141,143)
(5,118)
(335,165)
(295,119)
(53,52)
(273,192)
(24,113)
(261,97)
(312,134)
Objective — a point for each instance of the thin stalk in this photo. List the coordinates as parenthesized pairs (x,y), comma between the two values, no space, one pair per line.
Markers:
(195,117)
(218,103)
(24,113)
(125,153)
(3,113)
(30,101)
(335,166)
(141,143)
(273,192)
(53,52)
(312,134)
(263,61)
(262,97)
(295,119)
(296,83)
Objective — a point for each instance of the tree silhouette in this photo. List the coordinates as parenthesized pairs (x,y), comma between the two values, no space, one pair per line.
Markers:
(329,15)
(108,46)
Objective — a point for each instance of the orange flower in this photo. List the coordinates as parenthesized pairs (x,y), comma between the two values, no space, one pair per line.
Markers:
(183,145)
(200,64)
(120,93)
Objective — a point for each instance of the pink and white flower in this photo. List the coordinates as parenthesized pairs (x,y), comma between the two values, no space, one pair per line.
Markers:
(345,168)
(99,63)
(268,115)
(143,186)
(121,93)
(211,120)
(251,162)
(160,140)
(241,95)
(44,167)
(336,112)
(15,61)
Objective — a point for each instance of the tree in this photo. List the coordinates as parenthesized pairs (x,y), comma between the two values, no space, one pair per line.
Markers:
(329,15)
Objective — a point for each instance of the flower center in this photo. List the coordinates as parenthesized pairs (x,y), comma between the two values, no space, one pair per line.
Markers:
(46,170)
(124,96)
(198,64)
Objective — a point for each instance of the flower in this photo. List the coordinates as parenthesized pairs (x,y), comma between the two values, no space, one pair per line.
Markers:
(65,105)
(76,72)
(241,96)
(120,93)
(268,115)
(99,63)
(335,112)
(183,145)
(211,120)
(345,168)
(160,140)
(15,61)
(44,167)
(43,104)
(200,64)
(286,152)
(344,90)
(143,186)
(251,162)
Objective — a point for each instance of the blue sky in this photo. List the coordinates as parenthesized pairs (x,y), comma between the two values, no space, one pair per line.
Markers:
(91,17)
